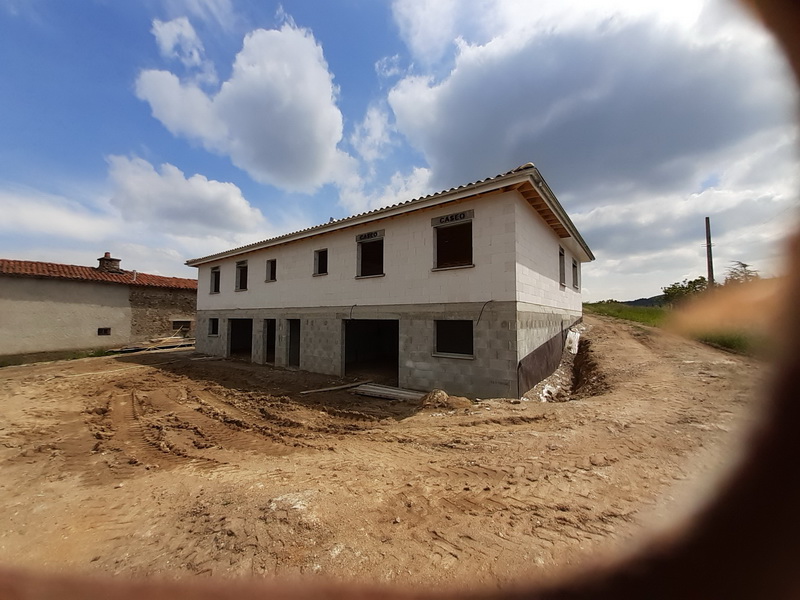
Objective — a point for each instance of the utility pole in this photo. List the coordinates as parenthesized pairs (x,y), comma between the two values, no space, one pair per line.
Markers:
(709,257)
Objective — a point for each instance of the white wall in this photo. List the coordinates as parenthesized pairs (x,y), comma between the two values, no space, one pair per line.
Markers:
(537,263)
(42,315)
(408,260)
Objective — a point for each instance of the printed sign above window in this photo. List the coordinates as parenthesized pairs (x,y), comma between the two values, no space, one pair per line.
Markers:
(369,236)
(464,215)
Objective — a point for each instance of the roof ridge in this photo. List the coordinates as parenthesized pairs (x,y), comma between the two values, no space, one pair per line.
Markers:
(44,269)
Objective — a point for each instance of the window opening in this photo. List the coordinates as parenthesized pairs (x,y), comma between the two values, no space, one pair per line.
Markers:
(370,254)
(181,328)
(104,331)
(241,275)
(575,274)
(454,337)
(453,240)
(272,266)
(213,327)
(215,280)
(321,262)
(562,276)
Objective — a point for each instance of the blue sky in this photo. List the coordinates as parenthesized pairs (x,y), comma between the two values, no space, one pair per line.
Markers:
(164,130)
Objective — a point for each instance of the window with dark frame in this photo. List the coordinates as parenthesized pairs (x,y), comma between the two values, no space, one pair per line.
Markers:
(241,275)
(272,269)
(321,262)
(181,326)
(215,278)
(104,331)
(454,337)
(575,283)
(213,326)
(453,240)
(562,275)
(370,254)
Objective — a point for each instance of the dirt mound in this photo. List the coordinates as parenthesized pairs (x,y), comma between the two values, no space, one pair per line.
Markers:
(173,465)
(440,400)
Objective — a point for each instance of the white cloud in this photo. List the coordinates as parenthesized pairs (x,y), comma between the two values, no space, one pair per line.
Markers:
(178,40)
(388,67)
(276,117)
(401,187)
(183,108)
(219,12)
(168,201)
(30,212)
(373,134)
(427,26)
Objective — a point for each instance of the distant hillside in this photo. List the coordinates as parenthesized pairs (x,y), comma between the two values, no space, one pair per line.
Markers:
(653,301)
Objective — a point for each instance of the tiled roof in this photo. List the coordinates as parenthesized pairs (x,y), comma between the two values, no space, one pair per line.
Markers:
(528,169)
(30,268)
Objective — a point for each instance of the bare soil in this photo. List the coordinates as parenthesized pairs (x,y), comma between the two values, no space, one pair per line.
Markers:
(175,465)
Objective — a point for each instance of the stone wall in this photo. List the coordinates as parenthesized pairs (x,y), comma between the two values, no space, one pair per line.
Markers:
(154,309)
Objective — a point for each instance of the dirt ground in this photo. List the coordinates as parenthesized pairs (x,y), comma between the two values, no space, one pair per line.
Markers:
(176,465)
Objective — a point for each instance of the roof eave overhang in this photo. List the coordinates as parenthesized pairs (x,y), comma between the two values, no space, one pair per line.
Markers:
(528,182)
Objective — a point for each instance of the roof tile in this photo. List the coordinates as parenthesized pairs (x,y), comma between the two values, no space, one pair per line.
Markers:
(30,268)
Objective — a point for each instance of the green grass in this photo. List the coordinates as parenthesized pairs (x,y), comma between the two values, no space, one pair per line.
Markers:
(733,341)
(648,315)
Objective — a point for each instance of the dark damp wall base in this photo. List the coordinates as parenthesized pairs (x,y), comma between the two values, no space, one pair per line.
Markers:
(543,361)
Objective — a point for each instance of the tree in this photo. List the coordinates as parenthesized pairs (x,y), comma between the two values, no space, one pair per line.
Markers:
(740,272)
(680,291)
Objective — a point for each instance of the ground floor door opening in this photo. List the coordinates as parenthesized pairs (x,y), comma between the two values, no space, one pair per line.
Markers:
(241,339)
(293,359)
(372,350)
(270,330)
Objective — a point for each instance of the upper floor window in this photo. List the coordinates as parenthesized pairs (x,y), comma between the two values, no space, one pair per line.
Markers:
(321,262)
(241,275)
(370,254)
(452,240)
(575,282)
(215,280)
(562,270)
(272,269)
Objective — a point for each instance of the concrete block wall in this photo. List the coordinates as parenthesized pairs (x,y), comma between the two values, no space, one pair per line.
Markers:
(321,345)
(490,372)
(538,324)
(537,267)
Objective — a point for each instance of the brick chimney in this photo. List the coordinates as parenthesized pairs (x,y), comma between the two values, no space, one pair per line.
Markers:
(108,264)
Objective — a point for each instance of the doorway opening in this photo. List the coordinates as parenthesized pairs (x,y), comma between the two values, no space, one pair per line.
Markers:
(270,328)
(372,350)
(293,359)
(241,339)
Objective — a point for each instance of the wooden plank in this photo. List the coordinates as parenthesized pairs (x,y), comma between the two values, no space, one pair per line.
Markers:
(385,391)
(336,387)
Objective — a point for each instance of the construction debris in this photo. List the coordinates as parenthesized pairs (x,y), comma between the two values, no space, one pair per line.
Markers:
(385,391)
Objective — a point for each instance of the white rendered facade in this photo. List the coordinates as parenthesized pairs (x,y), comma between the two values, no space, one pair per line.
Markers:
(506,288)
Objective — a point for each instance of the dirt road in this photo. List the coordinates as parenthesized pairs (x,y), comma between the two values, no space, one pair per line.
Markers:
(175,465)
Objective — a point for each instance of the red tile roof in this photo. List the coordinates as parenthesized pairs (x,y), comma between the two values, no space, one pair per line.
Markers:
(30,268)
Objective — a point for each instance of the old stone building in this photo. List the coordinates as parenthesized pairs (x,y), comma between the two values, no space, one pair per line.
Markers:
(48,308)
